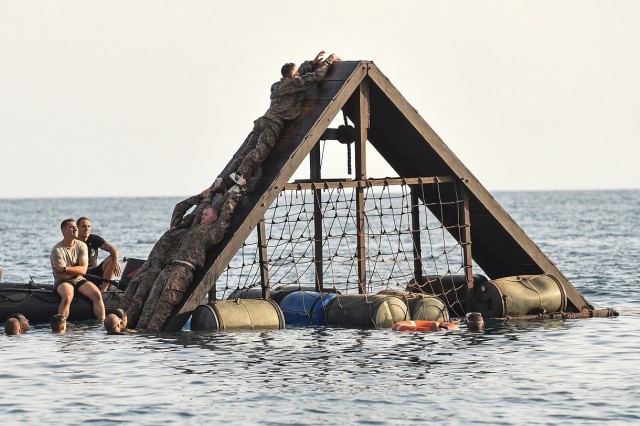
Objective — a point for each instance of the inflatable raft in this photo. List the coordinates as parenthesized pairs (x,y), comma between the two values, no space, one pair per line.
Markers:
(38,302)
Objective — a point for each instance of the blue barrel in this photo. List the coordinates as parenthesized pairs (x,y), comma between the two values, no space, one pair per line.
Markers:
(305,307)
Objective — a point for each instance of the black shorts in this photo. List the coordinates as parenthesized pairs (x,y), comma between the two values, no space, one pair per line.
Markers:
(76,285)
(98,271)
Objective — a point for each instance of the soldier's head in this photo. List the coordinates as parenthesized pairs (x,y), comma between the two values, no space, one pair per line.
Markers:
(209,215)
(24,322)
(120,313)
(112,324)
(289,70)
(12,327)
(58,324)
(84,227)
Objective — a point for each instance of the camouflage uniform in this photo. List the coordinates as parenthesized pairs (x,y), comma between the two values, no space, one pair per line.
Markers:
(159,257)
(286,103)
(190,254)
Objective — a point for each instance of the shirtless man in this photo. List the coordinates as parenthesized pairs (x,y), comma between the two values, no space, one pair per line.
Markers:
(69,261)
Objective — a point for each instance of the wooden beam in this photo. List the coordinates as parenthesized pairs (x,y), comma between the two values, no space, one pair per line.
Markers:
(367,183)
(316,175)
(263,259)
(465,241)
(362,126)
(415,234)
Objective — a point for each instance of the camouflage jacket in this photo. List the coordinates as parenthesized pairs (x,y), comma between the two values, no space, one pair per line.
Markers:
(167,243)
(201,237)
(288,93)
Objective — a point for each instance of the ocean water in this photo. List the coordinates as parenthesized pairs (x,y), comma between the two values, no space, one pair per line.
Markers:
(536,372)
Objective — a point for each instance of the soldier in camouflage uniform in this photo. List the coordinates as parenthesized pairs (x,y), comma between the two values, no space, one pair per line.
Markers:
(286,103)
(189,256)
(160,256)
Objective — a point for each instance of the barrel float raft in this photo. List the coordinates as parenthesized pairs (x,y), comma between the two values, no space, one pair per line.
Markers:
(240,314)
(520,295)
(360,310)
(306,307)
(424,326)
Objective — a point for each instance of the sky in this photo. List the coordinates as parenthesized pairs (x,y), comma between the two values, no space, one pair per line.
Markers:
(153,97)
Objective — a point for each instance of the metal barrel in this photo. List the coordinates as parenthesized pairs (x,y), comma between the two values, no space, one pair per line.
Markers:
(423,307)
(520,295)
(361,310)
(241,314)
(305,307)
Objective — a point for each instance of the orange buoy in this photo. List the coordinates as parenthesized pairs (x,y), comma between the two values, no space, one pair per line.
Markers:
(424,326)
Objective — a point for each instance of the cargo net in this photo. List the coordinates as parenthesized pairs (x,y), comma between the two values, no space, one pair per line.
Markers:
(390,255)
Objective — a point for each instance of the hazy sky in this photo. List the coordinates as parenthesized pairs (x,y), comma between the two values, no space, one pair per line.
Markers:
(151,98)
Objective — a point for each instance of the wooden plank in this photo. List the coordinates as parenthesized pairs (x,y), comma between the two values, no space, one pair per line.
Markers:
(368,183)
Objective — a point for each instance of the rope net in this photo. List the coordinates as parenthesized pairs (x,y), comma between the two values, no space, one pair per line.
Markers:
(407,245)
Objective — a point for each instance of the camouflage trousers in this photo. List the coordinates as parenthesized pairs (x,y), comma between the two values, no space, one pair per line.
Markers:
(261,142)
(138,290)
(174,281)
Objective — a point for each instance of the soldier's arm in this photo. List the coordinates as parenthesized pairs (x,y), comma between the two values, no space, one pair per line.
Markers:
(182,208)
(207,196)
(311,66)
(229,202)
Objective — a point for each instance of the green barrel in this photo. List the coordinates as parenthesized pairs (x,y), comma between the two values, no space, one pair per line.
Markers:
(240,314)
(360,310)
(520,295)
(424,307)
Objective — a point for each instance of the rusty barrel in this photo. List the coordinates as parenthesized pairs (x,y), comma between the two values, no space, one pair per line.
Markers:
(520,295)
(360,310)
(240,314)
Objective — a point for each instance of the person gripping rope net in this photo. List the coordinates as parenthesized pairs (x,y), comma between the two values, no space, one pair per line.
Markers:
(286,104)
(190,255)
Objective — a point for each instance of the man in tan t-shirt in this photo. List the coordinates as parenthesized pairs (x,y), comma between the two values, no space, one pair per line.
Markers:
(69,260)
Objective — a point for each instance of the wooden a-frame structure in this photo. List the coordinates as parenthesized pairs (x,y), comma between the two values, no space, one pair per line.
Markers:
(384,118)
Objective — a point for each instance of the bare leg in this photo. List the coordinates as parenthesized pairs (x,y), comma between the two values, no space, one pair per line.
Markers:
(108,268)
(65,290)
(89,290)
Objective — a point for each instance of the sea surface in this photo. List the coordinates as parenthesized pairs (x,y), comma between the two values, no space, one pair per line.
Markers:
(537,372)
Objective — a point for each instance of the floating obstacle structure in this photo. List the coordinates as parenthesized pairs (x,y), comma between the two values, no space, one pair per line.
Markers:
(433,230)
